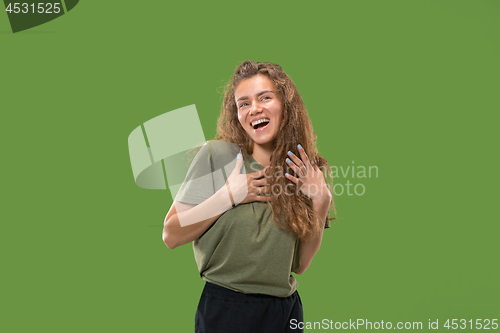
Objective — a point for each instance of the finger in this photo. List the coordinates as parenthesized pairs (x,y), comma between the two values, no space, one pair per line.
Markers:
(262,198)
(258,174)
(259,182)
(239,164)
(292,178)
(295,159)
(263,190)
(258,189)
(292,165)
(304,156)
(302,169)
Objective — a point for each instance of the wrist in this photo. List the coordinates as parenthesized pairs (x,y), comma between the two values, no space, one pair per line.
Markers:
(228,188)
(323,196)
(224,198)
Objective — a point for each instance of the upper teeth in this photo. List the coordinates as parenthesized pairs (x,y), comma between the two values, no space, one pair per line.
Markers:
(260,121)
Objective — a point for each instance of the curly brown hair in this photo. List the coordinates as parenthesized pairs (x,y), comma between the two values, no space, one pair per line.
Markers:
(294,213)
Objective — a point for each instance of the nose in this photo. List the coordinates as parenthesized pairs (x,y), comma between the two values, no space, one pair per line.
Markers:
(256,108)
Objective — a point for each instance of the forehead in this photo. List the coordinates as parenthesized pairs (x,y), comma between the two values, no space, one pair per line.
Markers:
(253,86)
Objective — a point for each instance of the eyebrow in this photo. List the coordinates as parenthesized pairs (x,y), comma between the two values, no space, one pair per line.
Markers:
(261,93)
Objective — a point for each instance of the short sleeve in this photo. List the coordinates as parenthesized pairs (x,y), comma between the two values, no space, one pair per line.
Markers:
(198,184)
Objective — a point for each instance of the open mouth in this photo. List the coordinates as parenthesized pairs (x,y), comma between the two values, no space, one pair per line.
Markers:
(260,124)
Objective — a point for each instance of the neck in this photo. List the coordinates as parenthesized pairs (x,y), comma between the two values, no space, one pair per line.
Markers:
(262,153)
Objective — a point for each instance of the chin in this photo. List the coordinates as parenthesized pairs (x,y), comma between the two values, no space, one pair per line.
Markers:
(263,141)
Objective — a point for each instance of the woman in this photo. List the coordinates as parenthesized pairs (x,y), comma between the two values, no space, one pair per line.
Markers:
(272,224)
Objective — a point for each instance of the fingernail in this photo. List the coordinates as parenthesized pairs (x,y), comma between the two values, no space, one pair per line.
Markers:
(300,147)
(290,153)
(288,160)
(238,156)
(287,174)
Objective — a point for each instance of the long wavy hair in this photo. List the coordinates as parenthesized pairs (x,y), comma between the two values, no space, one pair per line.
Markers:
(295,212)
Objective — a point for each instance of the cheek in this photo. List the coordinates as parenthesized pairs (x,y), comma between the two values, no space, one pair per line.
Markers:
(241,119)
(276,110)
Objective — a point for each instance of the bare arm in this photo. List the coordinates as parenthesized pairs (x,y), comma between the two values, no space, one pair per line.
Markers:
(311,182)
(192,216)
(184,223)
(309,249)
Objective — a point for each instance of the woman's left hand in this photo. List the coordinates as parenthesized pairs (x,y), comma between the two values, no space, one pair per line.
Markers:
(310,179)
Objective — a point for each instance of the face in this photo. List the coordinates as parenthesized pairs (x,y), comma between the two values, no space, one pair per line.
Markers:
(259,108)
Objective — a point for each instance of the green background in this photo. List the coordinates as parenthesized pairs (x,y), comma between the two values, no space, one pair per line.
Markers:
(408,86)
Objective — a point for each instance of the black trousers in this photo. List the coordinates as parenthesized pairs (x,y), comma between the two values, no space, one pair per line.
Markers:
(225,311)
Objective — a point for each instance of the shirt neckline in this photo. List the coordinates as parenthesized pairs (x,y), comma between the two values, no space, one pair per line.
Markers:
(252,160)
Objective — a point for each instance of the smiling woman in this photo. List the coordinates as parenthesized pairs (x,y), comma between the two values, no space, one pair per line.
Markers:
(259,110)
(247,254)
(269,92)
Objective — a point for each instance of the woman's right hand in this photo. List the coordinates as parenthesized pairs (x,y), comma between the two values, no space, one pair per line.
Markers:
(246,188)
(186,222)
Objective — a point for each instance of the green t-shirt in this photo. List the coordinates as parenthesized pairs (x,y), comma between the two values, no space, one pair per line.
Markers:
(243,250)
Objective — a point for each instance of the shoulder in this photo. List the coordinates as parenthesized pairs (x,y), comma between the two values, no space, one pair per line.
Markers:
(214,154)
(208,147)
(222,151)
